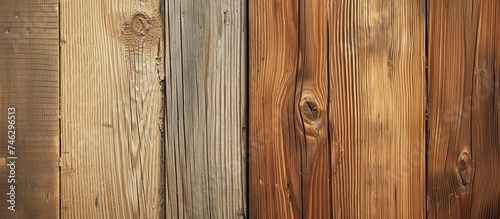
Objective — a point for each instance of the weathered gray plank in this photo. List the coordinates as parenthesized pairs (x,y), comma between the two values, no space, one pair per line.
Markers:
(205,108)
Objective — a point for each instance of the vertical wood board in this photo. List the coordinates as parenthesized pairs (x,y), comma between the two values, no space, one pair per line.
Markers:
(463,158)
(377,108)
(205,123)
(112,68)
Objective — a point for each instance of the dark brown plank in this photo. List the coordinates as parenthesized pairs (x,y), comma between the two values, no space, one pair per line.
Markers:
(29,82)
(464,147)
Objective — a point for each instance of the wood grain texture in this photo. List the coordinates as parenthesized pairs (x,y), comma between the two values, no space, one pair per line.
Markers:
(337,97)
(29,81)
(311,95)
(275,183)
(464,105)
(289,145)
(112,68)
(377,111)
(205,109)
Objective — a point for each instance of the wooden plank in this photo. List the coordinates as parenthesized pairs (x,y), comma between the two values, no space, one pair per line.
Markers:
(275,185)
(111,109)
(205,109)
(289,147)
(464,128)
(367,123)
(377,111)
(29,97)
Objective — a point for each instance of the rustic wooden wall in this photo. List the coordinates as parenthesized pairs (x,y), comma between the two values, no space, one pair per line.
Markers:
(29,82)
(139,108)
(112,68)
(205,131)
(463,166)
(337,109)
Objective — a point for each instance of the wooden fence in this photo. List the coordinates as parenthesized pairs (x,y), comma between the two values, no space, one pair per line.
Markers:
(250,109)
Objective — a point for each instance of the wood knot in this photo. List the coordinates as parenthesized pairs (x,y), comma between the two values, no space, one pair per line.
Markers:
(464,170)
(140,25)
(310,110)
(141,31)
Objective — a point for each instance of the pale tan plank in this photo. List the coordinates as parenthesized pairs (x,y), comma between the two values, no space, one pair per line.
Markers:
(111,109)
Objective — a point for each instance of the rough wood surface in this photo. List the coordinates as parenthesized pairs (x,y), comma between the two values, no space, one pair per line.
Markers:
(367,123)
(464,106)
(29,81)
(205,109)
(111,109)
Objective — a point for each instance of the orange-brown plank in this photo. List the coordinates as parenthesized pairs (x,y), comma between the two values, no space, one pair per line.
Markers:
(368,122)
(311,100)
(274,156)
(464,128)
(377,108)
(29,82)
(289,147)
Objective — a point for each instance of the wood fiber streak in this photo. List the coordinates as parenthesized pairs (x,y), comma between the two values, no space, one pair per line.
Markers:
(29,81)
(464,145)
(112,68)
(377,108)
(205,123)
